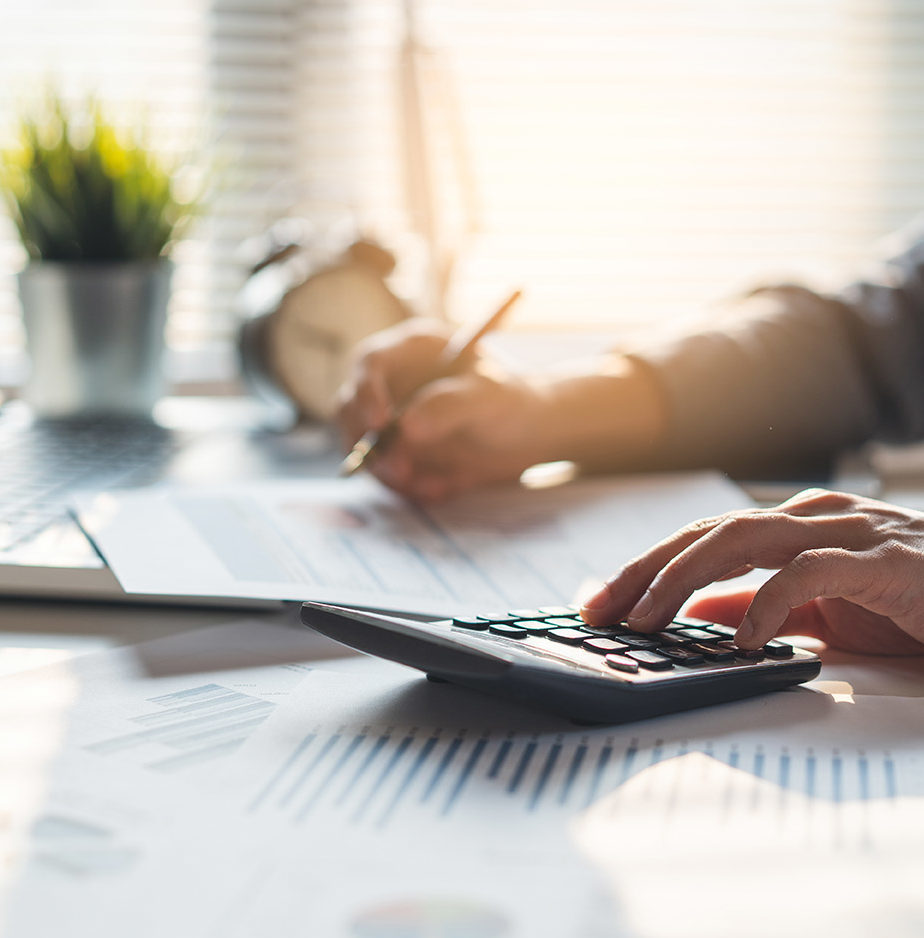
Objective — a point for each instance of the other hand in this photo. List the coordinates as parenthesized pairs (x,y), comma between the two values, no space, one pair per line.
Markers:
(478,425)
(850,571)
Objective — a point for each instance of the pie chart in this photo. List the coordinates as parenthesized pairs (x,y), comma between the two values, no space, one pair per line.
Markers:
(431,918)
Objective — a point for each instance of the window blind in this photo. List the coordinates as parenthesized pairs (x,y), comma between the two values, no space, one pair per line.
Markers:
(639,160)
(626,163)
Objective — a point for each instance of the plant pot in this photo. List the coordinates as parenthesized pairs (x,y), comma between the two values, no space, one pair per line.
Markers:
(95,336)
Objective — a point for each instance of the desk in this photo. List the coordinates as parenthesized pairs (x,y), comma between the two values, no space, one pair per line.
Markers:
(34,634)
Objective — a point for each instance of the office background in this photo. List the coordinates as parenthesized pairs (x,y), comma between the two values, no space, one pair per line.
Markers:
(627,162)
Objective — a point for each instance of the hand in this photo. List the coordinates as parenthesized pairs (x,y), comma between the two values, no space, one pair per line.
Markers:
(479,425)
(850,572)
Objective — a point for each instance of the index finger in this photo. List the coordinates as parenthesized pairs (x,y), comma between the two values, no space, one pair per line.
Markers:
(621,592)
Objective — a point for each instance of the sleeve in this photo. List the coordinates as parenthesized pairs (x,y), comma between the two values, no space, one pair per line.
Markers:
(799,377)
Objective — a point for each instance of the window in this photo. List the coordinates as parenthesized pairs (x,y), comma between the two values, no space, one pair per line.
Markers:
(624,162)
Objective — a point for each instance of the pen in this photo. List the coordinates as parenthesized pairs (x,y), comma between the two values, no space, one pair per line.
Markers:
(462,342)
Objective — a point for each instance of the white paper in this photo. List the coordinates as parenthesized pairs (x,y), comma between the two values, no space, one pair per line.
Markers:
(781,859)
(724,821)
(173,709)
(374,797)
(389,750)
(352,542)
(107,760)
(371,798)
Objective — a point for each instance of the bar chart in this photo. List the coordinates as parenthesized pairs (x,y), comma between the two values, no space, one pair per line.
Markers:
(188,727)
(375,776)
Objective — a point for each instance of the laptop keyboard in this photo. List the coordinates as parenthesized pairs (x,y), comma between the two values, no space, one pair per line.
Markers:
(44,463)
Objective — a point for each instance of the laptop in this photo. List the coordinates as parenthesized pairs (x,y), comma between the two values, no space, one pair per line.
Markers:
(44,464)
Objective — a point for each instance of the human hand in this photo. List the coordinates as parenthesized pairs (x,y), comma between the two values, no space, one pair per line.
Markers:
(850,572)
(477,425)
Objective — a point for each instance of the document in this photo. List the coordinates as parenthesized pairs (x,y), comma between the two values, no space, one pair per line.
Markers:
(108,757)
(380,800)
(365,800)
(353,542)
(362,755)
(835,851)
(170,704)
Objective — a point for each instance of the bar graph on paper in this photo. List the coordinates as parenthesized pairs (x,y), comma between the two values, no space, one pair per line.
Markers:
(188,727)
(375,777)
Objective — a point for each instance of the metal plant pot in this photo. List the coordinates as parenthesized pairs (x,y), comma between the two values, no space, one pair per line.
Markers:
(95,336)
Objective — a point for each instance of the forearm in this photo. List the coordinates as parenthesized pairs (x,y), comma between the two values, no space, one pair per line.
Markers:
(605,414)
(779,390)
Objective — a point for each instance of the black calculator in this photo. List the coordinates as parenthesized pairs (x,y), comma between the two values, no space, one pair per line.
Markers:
(551,659)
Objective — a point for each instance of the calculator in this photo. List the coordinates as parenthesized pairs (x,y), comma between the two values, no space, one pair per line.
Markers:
(551,659)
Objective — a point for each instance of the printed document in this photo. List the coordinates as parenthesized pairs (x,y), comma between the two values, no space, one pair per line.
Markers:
(354,797)
(354,542)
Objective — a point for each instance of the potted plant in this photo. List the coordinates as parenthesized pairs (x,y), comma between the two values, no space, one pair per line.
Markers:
(97,213)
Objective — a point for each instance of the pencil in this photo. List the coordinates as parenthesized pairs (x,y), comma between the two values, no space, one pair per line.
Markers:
(462,342)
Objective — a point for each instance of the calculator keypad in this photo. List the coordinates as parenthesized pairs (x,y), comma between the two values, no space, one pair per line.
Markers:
(688,645)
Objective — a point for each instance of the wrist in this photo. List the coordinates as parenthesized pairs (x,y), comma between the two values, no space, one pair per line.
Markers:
(605,414)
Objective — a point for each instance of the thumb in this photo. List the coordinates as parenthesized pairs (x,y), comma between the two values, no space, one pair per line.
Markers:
(729,607)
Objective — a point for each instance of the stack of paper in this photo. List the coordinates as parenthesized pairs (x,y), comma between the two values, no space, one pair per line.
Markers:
(355,797)
(352,542)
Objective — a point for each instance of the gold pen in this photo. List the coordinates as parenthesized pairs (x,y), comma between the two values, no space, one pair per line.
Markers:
(462,342)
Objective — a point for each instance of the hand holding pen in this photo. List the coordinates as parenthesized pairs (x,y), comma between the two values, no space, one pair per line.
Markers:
(457,350)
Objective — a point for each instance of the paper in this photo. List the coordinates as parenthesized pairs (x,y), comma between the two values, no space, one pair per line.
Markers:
(352,542)
(391,750)
(175,702)
(173,707)
(808,856)
(108,756)
(377,799)
(727,819)
(367,799)
(140,823)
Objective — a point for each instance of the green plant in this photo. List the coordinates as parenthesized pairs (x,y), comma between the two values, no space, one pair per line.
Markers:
(78,190)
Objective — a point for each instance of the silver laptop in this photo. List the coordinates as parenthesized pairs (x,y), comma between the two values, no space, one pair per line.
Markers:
(45,463)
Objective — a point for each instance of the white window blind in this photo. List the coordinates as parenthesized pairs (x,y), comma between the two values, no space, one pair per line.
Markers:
(637,160)
(624,162)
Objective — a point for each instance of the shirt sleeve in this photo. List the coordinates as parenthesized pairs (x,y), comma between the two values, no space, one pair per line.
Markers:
(798,379)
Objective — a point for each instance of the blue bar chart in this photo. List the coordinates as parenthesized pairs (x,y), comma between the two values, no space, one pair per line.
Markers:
(188,727)
(373,776)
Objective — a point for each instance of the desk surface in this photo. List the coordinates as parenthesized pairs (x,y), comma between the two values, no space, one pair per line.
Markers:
(33,634)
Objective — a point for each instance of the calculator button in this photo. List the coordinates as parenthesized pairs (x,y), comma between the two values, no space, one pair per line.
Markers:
(464,622)
(525,614)
(572,622)
(650,660)
(696,635)
(777,649)
(604,646)
(691,622)
(711,653)
(748,654)
(726,631)
(603,629)
(671,640)
(509,631)
(499,617)
(621,663)
(533,626)
(682,656)
(568,636)
(638,641)
(558,611)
